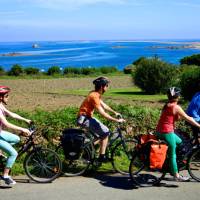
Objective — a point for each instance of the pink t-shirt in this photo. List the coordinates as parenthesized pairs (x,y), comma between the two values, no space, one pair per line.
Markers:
(166,123)
(2,112)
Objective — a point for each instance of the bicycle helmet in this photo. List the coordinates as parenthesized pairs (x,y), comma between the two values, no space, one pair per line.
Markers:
(101,81)
(173,92)
(4,90)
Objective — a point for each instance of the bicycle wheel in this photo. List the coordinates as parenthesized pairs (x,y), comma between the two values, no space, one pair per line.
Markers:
(121,155)
(194,165)
(75,167)
(42,165)
(141,174)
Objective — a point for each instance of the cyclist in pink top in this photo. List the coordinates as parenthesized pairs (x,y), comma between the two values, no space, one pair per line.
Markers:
(165,129)
(8,139)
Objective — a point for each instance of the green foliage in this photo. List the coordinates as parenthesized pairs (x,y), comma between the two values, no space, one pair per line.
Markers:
(129,69)
(190,81)
(137,62)
(107,69)
(53,70)
(2,71)
(31,70)
(191,60)
(71,70)
(154,76)
(16,70)
(88,70)
(139,120)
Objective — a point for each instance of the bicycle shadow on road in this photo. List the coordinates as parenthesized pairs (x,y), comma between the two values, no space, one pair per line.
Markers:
(123,182)
(115,181)
(24,180)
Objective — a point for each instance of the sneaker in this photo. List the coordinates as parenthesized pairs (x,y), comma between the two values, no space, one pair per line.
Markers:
(8,180)
(182,178)
(103,159)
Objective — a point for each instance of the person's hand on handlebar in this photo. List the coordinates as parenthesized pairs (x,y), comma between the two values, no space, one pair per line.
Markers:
(25,132)
(28,121)
(118,115)
(121,120)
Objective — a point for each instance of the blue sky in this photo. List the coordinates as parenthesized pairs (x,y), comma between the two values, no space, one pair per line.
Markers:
(28,20)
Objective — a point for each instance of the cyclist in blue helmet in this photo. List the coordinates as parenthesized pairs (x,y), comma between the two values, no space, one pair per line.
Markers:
(193,111)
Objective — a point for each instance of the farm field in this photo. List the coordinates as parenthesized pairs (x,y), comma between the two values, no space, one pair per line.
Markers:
(52,94)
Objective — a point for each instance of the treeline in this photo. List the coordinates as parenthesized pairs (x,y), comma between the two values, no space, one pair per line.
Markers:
(18,70)
(154,76)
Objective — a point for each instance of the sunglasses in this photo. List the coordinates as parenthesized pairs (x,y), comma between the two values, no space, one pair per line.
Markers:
(6,96)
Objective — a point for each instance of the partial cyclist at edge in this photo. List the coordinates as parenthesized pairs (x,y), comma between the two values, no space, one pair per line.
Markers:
(85,115)
(193,111)
(171,113)
(8,139)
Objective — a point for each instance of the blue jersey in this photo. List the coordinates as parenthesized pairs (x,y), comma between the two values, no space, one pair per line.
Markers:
(193,109)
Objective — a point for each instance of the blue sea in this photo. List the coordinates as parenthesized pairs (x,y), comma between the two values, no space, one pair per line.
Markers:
(90,53)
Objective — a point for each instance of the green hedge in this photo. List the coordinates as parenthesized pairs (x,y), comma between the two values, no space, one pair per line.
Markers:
(154,76)
(190,81)
(140,120)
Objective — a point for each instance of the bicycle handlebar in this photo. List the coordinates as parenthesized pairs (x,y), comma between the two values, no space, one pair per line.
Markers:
(119,116)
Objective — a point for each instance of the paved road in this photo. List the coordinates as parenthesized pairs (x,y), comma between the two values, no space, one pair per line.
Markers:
(98,187)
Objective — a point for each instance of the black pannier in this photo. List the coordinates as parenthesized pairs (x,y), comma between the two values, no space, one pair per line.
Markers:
(72,141)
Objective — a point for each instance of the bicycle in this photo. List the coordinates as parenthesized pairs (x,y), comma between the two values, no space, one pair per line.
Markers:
(118,152)
(188,158)
(41,165)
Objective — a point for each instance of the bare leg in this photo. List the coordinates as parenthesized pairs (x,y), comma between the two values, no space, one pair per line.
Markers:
(6,172)
(104,143)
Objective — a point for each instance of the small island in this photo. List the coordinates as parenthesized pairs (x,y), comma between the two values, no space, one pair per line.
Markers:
(14,54)
(192,45)
(118,47)
(35,46)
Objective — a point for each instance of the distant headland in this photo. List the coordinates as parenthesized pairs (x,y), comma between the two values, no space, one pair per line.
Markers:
(14,54)
(190,45)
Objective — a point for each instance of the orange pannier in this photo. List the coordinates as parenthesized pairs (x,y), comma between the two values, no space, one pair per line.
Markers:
(158,151)
(158,154)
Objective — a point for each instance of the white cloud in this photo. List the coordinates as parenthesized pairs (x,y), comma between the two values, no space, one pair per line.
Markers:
(187,4)
(66,4)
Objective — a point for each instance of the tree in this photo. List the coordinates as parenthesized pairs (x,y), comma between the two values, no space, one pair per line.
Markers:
(2,71)
(31,70)
(129,69)
(191,60)
(190,82)
(16,70)
(154,76)
(54,70)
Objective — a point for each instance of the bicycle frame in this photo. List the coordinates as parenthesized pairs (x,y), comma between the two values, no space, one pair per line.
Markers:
(91,143)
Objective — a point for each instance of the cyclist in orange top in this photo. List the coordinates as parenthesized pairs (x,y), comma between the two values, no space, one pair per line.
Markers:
(94,102)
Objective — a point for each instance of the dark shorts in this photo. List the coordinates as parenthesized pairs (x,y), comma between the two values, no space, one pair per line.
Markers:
(94,125)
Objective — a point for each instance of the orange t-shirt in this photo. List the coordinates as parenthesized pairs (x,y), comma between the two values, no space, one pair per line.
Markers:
(91,102)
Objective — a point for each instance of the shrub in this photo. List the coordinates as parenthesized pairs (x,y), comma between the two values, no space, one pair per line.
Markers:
(136,62)
(190,81)
(191,60)
(2,71)
(72,70)
(88,70)
(154,76)
(129,69)
(16,70)
(31,70)
(53,70)
(106,70)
